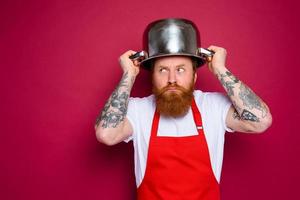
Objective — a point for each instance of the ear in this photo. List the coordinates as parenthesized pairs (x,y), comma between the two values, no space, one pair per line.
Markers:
(195,77)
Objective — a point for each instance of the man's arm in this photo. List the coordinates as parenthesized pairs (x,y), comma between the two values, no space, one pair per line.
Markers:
(111,125)
(249,113)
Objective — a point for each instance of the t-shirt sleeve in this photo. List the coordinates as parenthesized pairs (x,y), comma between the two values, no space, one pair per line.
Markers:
(224,115)
(131,116)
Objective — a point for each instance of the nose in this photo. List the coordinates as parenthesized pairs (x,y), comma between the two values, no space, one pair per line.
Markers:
(172,77)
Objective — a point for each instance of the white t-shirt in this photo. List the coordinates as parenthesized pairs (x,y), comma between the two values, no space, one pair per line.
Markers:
(213,107)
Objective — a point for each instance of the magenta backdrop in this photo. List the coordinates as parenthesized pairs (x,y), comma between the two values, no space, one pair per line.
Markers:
(59,64)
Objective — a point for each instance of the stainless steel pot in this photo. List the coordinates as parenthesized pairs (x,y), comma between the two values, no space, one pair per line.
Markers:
(170,37)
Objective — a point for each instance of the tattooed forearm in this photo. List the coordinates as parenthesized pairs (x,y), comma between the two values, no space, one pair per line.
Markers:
(248,106)
(115,109)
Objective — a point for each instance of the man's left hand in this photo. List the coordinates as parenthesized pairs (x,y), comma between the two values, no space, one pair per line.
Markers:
(218,60)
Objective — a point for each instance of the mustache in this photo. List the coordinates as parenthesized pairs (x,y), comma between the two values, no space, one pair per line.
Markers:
(173,85)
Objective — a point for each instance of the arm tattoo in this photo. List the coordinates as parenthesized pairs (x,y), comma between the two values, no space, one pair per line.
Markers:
(229,85)
(236,115)
(250,100)
(246,115)
(115,109)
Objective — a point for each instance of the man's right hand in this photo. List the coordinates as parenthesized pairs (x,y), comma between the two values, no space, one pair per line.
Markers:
(132,67)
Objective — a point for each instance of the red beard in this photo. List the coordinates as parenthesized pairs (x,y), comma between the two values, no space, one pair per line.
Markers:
(173,103)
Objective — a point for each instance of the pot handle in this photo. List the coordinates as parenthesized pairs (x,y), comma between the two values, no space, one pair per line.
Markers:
(141,55)
(206,53)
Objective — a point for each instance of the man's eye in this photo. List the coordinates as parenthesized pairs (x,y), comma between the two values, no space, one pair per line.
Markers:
(180,70)
(163,70)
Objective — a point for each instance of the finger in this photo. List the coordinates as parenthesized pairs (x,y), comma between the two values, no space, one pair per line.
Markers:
(209,59)
(137,62)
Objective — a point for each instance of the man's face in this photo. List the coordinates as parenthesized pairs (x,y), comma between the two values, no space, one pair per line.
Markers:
(173,69)
(173,80)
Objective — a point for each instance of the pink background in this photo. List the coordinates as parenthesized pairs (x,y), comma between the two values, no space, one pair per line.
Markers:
(59,64)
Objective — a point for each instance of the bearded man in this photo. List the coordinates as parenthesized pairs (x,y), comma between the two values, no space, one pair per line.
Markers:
(178,132)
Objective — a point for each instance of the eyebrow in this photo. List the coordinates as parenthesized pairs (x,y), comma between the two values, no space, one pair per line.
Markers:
(180,65)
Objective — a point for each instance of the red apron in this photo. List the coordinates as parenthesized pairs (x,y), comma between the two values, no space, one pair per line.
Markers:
(178,167)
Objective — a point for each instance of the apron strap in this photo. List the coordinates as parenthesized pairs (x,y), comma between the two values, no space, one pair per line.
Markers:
(155,123)
(197,116)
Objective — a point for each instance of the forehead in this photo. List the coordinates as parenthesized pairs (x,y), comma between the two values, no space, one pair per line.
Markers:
(172,61)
